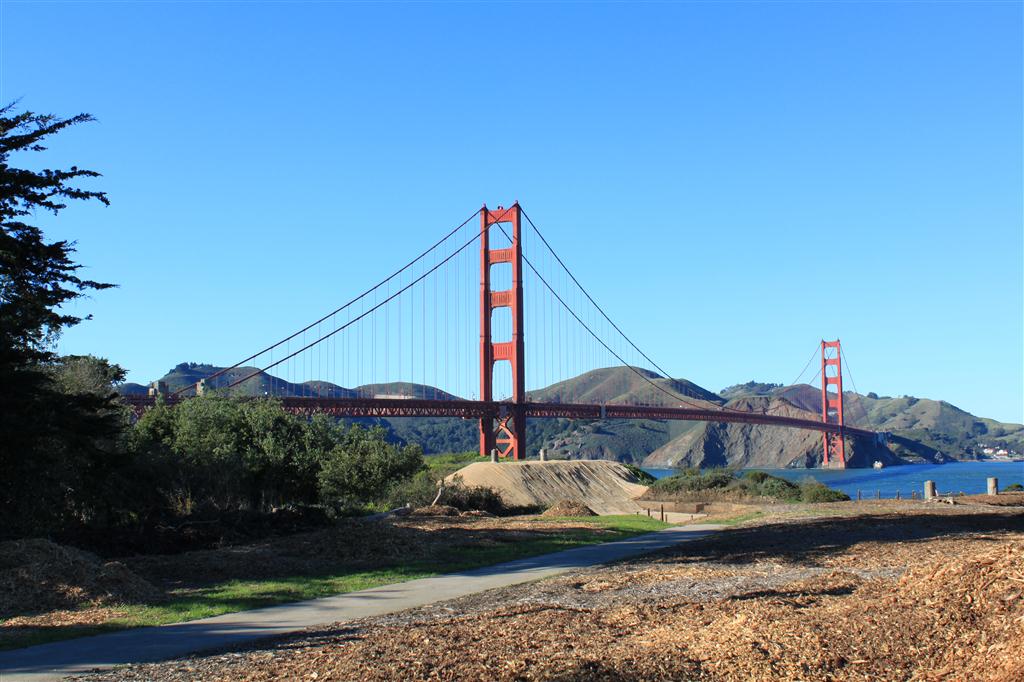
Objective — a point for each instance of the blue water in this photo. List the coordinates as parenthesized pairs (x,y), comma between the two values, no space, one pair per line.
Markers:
(965,477)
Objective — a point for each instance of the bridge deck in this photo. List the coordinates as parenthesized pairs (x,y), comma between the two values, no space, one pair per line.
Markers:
(475,409)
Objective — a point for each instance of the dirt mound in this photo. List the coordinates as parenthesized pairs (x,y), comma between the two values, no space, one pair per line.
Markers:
(435,510)
(569,508)
(39,575)
(606,487)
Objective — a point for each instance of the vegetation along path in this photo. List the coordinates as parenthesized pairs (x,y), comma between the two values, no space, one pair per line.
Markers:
(58,659)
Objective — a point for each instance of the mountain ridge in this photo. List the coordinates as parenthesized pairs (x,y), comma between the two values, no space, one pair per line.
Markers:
(921,429)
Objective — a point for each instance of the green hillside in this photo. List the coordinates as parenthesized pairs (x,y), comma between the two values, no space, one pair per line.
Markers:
(921,427)
(623,385)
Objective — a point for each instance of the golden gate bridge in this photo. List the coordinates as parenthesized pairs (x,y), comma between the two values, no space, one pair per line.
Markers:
(526,302)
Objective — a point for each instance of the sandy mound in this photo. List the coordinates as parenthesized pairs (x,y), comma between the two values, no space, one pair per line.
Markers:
(569,508)
(39,575)
(605,487)
(435,510)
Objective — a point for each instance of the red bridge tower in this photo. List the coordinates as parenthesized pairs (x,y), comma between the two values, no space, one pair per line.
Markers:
(832,406)
(509,438)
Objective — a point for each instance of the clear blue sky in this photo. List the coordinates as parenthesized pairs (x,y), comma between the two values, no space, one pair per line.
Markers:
(734,181)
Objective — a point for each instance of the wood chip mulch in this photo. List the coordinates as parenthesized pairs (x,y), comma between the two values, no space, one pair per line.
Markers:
(873,596)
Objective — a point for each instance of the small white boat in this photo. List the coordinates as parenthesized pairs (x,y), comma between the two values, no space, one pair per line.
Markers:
(877,465)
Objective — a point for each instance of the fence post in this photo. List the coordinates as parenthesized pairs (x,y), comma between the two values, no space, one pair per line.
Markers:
(878,494)
(929,490)
(663,513)
(543,454)
(993,485)
(494,455)
(858,496)
(897,494)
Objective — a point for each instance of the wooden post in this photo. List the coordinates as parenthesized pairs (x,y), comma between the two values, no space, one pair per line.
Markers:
(929,490)
(494,455)
(543,454)
(897,494)
(993,485)
(663,513)
(878,494)
(858,496)
(648,512)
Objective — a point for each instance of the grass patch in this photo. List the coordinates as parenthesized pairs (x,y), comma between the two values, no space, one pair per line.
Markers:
(241,595)
(627,524)
(448,463)
(735,520)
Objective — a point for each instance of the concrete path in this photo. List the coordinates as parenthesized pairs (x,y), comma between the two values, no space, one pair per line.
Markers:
(87,654)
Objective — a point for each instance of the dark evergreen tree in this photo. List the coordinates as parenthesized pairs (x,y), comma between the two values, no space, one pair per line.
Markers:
(55,444)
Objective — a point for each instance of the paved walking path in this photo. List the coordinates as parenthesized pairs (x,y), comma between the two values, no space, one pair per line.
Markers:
(59,659)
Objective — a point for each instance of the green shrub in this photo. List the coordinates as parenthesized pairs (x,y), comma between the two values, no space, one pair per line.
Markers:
(779,489)
(470,498)
(641,475)
(362,468)
(1013,487)
(757,477)
(715,478)
(417,491)
(813,491)
(691,480)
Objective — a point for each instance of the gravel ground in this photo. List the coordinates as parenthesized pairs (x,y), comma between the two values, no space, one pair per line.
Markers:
(869,591)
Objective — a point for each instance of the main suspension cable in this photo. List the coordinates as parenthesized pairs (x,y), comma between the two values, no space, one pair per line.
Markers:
(671,394)
(337,310)
(591,299)
(361,316)
(598,338)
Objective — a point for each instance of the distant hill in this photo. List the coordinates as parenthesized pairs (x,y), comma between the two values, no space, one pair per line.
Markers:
(922,430)
(921,427)
(261,383)
(622,385)
(749,445)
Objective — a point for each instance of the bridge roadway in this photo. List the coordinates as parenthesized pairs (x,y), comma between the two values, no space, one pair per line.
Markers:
(475,409)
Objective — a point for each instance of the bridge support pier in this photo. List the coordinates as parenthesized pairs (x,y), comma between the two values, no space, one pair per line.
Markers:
(833,444)
(505,431)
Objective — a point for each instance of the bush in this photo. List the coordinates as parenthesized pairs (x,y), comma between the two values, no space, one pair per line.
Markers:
(779,489)
(692,480)
(228,454)
(471,498)
(642,476)
(417,491)
(757,477)
(362,468)
(813,491)
(716,478)
(1013,487)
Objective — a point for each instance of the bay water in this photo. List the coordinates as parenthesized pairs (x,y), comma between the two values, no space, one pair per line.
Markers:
(957,477)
